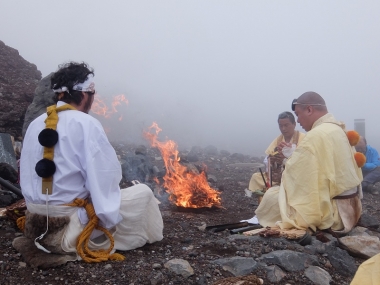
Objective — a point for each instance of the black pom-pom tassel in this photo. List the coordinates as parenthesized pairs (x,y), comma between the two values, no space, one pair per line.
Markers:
(48,137)
(45,168)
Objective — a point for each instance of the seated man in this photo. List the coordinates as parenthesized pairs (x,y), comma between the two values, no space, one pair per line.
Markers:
(70,176)
(289,136)
(371,169)
(320,186)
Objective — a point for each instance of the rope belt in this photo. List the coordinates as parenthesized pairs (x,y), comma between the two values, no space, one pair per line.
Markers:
(45,168)
(84,252)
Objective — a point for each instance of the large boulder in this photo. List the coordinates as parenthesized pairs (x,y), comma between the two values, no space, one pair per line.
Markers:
(43,98)
(18,80)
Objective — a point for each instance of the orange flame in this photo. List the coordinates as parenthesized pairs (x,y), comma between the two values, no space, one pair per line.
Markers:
(186,189)
(101,108)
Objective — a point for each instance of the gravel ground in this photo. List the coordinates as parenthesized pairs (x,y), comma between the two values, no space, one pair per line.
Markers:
(183,239)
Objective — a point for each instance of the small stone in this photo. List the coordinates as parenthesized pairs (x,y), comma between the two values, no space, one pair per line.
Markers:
(318,275)
(22,264)
(202,227)
(157,279)
(180,267)
(156,266)
(108,266)
(275,274)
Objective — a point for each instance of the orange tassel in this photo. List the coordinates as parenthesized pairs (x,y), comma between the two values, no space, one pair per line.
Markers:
(353,137)
(360,159)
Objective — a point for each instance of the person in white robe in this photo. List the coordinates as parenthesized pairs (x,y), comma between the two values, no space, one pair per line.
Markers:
(86,167)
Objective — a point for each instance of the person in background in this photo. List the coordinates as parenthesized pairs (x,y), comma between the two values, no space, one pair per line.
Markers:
(70,176)
(289,136)
(371,169)
(320,186)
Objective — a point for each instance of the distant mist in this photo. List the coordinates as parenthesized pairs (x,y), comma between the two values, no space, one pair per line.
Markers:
(210,72)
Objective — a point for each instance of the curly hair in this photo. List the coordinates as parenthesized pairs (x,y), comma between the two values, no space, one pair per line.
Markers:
(68,75)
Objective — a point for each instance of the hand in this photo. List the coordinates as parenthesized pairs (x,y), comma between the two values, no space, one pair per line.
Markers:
(281,145)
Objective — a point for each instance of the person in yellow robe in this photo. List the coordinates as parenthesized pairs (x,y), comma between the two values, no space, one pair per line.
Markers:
(368,272)
(321,183)
(287,125)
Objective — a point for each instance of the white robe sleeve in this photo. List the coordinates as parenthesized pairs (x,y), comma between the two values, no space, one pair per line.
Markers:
(103,172)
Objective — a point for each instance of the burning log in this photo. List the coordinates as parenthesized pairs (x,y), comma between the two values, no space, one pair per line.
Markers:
(186,188)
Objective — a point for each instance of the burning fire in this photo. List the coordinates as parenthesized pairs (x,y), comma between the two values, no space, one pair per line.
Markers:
(186,189)
(101,108)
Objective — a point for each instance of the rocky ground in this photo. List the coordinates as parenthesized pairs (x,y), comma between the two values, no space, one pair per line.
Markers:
(189,254)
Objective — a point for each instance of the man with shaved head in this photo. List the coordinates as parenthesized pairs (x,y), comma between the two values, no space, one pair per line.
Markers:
(371,169)
(320,187)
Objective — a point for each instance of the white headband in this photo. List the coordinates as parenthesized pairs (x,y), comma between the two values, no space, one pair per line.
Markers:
(87,86)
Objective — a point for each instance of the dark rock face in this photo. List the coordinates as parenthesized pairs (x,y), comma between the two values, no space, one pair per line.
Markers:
(7,153)
(42,99)
(341,260)
(7,172)
(18,80)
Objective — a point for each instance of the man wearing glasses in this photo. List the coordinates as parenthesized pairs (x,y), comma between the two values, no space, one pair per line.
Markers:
(289,136)
(320,186)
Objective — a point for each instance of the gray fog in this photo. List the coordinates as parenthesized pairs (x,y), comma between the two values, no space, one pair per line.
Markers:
(210,72)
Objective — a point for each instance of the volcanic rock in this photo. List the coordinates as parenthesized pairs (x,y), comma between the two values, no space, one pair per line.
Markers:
(359,231)
(362,246)
(43,98)
(318,275)
(341,260)
(18,80)
(196,150)
(6,200)
(180,267)
(368,222)
(7,172)
(290,260)
(224,153)
(7,153)
(274,273)
(237,265)
(211,150)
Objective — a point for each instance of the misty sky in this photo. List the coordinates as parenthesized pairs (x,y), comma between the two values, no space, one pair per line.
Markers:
(210,72)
